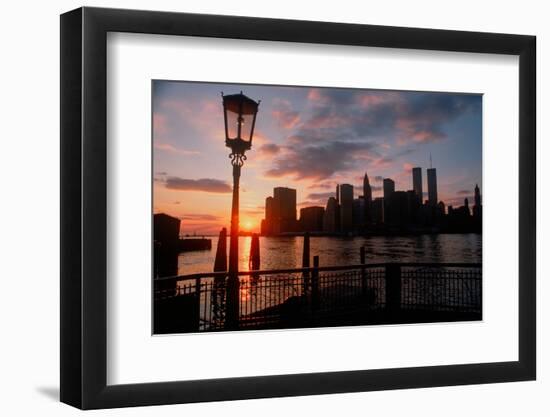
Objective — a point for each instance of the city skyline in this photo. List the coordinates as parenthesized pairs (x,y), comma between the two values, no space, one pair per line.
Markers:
(309,140)
(398,211)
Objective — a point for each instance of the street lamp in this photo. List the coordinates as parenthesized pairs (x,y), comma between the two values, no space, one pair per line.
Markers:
(239,114)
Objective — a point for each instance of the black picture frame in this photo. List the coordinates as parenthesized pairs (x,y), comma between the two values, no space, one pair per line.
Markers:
(84,207)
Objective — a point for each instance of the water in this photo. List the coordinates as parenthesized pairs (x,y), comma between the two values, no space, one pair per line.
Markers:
(286,252)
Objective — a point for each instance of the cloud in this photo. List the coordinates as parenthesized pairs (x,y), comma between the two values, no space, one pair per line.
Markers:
(464,192)
(374,187)
(344,127)
(160,124)
(458,201)
(323,185)
(310,203)
(284,114)
(252,212)
(171,148)
(208,185)
(423,118)
(270,149)
(320,196)
(200,217)
(303,158)
(383,162)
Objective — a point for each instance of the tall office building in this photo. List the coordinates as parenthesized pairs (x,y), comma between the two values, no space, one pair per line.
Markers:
(311,219)
(398,209)
(267,222)
(346,207)
(358,213)
(477,202)
(284,210)
(330,218)
(417,183)
(389,188)
(378,210)
(367,196)
(432,187)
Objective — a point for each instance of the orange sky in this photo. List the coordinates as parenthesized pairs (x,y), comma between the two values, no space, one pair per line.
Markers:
(309,139)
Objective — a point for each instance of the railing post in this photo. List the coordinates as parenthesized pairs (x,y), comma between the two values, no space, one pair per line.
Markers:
(232,309)
(363,272)
(198,288)
(315,283)
(305,264)
(393,289)
(198,297)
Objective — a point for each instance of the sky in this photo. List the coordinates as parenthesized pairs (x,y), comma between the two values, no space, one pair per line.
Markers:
(309,139)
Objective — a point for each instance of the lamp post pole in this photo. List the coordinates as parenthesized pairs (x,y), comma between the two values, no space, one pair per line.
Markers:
(239,119)
(232,308)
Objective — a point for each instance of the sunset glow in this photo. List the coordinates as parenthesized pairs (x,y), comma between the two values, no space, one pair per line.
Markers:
(308,139)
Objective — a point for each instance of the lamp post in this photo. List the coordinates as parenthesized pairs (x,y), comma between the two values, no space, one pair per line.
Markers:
(239,113)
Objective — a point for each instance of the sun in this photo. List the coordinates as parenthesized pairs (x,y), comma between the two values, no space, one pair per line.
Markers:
(247,225)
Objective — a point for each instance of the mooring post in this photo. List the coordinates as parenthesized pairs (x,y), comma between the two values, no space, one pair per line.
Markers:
(315,283)
(393,289)
(305,263)
(220,263)
(254,259)
(363,272)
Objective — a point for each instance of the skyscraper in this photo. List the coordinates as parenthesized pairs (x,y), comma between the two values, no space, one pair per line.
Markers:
(284,204)
(346,207)
(267,223)
(417,183)
(398,210)
(432,187)
(329,219)
(378,210)
(367,196)
(358,213)
(311,219)
(477,203)
(389,188)
(367,191)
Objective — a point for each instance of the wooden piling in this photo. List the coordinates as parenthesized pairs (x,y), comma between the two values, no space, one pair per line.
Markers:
(220,263)
(254,259)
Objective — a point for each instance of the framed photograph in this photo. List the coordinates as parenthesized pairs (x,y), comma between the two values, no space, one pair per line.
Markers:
(257,208)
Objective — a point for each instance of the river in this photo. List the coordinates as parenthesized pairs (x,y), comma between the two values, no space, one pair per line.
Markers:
(286,252)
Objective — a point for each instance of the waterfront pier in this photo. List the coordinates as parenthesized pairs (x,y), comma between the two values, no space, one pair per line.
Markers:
(381,293)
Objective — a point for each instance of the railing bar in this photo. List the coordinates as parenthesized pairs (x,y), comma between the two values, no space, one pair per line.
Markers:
(321,269)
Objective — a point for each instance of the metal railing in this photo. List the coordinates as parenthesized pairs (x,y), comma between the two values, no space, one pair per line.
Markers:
(306,297)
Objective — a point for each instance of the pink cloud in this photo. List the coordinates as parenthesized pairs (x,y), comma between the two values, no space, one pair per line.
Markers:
(314,95)
(171,148)
(285,115)
(160,126)
(377,98)
(419,128)
(203,115)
